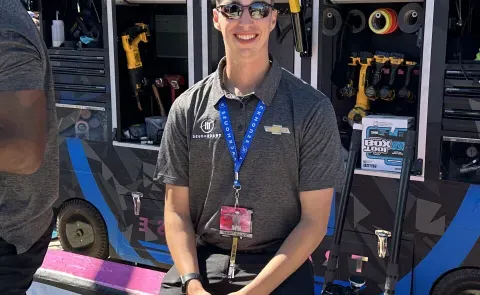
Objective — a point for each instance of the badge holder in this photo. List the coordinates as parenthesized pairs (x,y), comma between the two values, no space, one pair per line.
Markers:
(356,283)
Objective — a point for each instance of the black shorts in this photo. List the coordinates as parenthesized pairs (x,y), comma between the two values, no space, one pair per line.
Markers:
(17,271)
(214,266)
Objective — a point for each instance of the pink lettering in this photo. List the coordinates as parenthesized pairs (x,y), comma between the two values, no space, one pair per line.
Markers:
(360,260)
(143,224)
(161,227)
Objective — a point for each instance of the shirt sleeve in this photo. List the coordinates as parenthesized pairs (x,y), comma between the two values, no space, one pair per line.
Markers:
(21,65)
(321,152)
(173,160)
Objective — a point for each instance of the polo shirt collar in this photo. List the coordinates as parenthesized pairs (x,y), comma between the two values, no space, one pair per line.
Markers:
(266,91)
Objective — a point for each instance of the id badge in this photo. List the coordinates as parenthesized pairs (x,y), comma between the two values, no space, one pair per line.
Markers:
(236,222)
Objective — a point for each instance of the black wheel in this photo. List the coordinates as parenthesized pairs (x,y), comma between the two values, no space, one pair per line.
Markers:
(460,282)
(81,229)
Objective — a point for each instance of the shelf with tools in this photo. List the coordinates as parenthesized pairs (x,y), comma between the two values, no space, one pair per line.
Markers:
(460,120)
(152,69)
(375,78)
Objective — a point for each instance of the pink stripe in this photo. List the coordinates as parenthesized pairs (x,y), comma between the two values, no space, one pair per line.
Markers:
(118,275)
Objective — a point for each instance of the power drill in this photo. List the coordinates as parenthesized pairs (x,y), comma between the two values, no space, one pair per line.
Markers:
(349,90)
(405,93)
(130,39)
(362,104)
(387,92)
(381,58)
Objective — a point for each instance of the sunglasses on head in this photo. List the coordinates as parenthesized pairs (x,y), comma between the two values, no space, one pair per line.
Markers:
(257,10)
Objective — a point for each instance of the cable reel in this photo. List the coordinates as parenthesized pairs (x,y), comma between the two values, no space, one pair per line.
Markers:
(383,21)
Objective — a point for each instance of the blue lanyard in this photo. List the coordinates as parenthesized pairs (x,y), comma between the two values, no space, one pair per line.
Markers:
(238,158)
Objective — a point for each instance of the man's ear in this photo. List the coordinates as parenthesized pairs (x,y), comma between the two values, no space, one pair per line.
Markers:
(274,20)
(215,19)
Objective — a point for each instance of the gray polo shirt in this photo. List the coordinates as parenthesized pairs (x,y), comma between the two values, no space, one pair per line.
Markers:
(296,148)
(26,200)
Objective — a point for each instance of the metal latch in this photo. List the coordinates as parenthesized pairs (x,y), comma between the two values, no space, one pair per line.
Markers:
(136,196)
(382,235)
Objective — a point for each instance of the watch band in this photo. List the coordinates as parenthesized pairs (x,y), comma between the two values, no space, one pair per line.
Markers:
(187,278)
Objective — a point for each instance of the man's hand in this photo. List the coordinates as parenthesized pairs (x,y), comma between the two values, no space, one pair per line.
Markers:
(195,288)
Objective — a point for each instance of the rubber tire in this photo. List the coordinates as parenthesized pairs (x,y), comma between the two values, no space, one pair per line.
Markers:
(100,248)
(452,283)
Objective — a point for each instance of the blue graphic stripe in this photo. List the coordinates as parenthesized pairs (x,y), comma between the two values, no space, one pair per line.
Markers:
(146,244)
(93,194)
(452,248)
(160,257)
(331,219)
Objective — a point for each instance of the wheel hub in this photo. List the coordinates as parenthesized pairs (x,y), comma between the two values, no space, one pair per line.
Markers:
(80,234)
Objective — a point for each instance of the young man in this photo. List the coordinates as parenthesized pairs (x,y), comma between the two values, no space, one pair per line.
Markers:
(28,149)
(250,157)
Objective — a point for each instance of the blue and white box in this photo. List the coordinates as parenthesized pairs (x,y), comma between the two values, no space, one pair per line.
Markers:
(383,142)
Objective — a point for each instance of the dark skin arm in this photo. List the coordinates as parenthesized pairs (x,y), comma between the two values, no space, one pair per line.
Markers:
(22,131)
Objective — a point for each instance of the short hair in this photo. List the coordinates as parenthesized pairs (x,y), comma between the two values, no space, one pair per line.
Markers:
(215,3)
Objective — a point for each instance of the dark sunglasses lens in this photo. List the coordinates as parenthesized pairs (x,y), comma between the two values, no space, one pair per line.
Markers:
(259,10)
(232,10)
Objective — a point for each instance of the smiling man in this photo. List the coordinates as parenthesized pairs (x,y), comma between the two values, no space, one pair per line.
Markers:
(250,157)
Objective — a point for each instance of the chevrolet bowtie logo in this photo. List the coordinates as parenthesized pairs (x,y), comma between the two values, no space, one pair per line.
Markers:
(277,129)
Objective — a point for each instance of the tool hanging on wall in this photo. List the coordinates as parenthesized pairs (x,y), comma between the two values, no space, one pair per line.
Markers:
(130,40)
(299,29)
(362,105)
(357,20)
(383,21)
(411,18)
(405,93)
(351,88)
(332,21)
(388,92)
(381,60)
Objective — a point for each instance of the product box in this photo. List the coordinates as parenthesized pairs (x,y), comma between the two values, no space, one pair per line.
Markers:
(383,142)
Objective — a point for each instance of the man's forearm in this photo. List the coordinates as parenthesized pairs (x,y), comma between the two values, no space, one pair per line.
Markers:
(181,243)
(16,156)
(296,249)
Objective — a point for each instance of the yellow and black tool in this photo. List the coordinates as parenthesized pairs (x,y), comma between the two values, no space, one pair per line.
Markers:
(130,40)
(388,92)
(350,89)
(381,59)
(362,105)
(299,30)
(405,93)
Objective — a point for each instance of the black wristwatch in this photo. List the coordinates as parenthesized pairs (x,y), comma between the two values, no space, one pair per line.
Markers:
(187,278)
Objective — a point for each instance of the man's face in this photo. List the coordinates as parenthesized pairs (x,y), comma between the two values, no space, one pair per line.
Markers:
(245,37)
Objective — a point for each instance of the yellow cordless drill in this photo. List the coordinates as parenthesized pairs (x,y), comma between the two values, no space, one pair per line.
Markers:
(130,40)
(362,104)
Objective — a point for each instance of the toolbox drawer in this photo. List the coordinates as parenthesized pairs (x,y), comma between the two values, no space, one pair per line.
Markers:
(461,125)
(80,76)
(461,103)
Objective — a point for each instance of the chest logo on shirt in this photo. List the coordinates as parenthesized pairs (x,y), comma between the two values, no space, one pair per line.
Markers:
(207,126)
(277,129)
(205,129)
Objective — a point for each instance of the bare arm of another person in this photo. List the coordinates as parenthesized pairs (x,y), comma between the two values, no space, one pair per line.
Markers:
(180,234)
(22,105)
(321,170)
(22,131)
